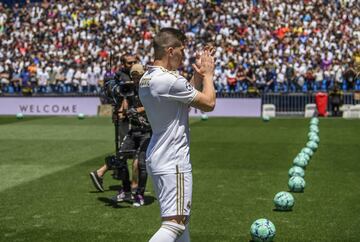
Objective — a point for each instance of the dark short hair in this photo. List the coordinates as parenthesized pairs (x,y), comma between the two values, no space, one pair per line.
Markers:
(167,37)
(127,54)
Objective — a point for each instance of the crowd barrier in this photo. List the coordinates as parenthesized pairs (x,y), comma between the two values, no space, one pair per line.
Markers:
(228,105)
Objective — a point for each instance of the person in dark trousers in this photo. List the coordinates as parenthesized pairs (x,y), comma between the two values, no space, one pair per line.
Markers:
(336,100)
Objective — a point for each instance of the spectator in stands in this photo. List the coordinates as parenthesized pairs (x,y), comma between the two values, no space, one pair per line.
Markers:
(306,35)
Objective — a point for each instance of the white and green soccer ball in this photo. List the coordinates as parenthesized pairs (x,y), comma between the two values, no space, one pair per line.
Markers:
(19,116)
(300,161)
(266,118)
(314,128)
(315,138)
(296,171)
(204,117)
(311,134)
(262,230)
(284,201)
(305,156)
(307,151)
(296,184)
(314,121)
(312,145)
(81,116)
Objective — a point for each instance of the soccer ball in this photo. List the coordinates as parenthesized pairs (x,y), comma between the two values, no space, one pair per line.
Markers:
(296,171)
(314,121)
(314,128)
(307,151)
(19,116)
(204,117)
(262,230)
(311,134)
(314,138)
(284,201)
(81,116)
(305,156)
(312,145)
(265,118)
(296,184)
(300,161)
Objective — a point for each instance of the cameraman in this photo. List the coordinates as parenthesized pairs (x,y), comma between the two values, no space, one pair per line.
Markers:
(134,143)
(127,61)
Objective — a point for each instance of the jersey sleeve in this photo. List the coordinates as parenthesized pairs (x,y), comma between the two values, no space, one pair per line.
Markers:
(181,90)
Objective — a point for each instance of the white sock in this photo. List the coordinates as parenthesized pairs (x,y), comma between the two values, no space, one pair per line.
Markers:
(185,237)
(168,232)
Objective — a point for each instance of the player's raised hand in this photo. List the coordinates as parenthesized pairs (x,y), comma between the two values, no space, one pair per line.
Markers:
(198,54)
(204,64)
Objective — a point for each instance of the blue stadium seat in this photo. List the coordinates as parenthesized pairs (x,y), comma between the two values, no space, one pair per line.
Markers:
(315,86)
(292,87)
(324,85)
(305,87)
(344,86)
(10,89)
(357,85)
(245,87)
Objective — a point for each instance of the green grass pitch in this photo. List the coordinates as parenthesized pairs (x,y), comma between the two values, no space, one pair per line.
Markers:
(238,165)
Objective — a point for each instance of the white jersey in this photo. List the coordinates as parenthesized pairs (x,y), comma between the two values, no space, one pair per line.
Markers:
(166,97)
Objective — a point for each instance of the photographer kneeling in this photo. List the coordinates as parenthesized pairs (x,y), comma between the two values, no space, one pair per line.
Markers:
(134,143)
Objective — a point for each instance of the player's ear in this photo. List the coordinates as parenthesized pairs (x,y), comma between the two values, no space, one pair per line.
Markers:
(171,51)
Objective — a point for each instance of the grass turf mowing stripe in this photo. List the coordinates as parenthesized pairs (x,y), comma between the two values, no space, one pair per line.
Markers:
(239,165)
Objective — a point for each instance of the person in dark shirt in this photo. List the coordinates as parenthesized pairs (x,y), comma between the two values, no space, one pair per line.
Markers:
(336,100)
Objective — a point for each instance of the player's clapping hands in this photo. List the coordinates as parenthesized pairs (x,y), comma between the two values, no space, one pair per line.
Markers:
(204,62)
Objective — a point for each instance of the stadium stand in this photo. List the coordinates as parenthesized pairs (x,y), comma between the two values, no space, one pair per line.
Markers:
(276,46)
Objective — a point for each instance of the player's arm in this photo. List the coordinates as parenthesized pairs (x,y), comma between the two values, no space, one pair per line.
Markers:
(206,98)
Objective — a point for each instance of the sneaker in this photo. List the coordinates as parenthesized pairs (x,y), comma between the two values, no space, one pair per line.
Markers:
(97,181)
(122,196)
(138,200)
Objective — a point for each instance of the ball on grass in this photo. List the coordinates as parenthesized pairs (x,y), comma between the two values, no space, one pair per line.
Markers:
(284,201)
(311,134)
(307,151)
(81,116)
(305,156)
(296,184)
(265,118)
(296,171)
(314,128)
(312,145)
(315,138)
(204,117)
(300,161)
(314,121)
(262,230)
(19,116)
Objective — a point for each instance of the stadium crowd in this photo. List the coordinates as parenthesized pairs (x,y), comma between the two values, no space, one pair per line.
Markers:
(261,45)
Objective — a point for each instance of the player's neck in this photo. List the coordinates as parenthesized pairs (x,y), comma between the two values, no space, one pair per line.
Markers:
(163,63)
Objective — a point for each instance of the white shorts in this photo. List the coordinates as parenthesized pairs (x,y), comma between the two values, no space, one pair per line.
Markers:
(174,193)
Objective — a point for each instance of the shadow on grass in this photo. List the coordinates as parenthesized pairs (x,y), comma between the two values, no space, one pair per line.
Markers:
(281,211)
(114,188)
(111,203)
(126,204)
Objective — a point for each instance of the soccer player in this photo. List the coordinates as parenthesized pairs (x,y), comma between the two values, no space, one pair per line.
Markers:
(166,96)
